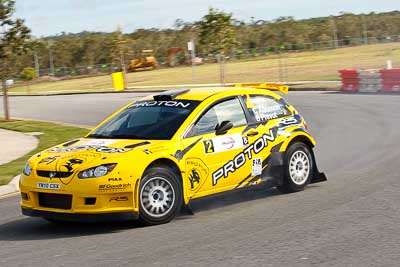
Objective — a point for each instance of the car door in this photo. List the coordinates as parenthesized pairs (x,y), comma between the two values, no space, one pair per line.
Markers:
(211,159)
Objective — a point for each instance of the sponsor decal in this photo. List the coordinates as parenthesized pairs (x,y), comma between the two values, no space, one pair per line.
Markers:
(50,186)
(265,117)
(208,146)
(114,187)
(264,112)
(245,140)
(285,123)
(68,165)
(49,160)
(119,199)
(99,142)
(114,179)
(247,154)
(194,178)
(178,104)
(259,116)
(229,143)
(100,149)
(197,172)
(265,162)
(223,143)
(256,167)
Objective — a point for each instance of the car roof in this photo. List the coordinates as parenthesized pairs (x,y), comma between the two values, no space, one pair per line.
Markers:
(201,94)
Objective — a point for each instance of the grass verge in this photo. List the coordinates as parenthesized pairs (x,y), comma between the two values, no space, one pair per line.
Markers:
(53,134)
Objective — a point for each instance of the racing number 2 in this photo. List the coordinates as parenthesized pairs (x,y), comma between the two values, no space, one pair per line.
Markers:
(208,146)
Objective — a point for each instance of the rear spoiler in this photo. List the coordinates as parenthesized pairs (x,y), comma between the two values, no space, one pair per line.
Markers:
(269,86)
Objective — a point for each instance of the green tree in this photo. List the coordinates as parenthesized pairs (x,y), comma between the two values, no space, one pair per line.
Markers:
(14,38)
(28,74)
(120,47)
(217,32)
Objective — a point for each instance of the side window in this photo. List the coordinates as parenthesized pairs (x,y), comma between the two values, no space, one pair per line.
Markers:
(229,110)
(267,108)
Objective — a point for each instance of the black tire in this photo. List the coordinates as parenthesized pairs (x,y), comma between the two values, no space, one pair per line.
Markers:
(160,196)
(291,182)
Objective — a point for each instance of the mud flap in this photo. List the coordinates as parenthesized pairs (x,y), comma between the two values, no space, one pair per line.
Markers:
(317,177)
(186,210)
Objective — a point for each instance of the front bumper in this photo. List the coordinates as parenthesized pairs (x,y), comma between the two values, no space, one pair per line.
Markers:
(81,217)
(77,206)
(80,199)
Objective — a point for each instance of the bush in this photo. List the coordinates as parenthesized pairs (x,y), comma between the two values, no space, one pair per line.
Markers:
(28,74)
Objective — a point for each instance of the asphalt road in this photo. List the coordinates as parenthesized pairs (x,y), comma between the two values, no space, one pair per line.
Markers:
(351,220)
(88,109)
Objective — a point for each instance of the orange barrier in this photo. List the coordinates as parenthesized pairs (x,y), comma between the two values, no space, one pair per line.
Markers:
(350,80)
(370,81)
(390,80)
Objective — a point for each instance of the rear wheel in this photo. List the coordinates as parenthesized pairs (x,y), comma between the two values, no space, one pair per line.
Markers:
(160,196)
(298,168)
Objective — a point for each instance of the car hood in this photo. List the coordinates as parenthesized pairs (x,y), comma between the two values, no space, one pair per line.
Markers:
(85,153)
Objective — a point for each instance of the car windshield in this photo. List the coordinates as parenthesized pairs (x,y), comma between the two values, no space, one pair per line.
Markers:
(150,120)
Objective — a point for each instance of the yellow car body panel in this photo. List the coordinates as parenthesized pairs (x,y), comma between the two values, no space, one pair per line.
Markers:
(208,163)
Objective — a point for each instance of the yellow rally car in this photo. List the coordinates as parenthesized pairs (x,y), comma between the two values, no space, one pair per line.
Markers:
(149,159)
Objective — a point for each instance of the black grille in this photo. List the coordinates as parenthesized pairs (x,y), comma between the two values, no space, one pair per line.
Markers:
(90,201)
(55,201)
(50,174)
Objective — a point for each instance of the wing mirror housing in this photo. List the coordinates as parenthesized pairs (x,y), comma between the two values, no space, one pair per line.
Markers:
(223,127)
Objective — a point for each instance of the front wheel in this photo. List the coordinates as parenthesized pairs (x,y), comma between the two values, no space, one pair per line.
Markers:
(298,168)
(160,196)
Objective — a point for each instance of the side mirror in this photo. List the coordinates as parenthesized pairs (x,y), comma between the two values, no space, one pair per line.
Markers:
(223,127)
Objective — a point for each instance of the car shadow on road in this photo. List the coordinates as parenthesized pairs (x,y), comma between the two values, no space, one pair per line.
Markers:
(40,229)
(238,196)
(233,197)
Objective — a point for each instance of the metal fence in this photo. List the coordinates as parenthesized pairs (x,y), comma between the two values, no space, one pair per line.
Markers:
(236,54)
(287,63)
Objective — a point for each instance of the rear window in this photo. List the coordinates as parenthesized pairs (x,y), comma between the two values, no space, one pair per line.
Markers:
(267,108)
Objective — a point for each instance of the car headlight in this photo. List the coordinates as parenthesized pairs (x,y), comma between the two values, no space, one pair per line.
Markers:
(27,169)
(97,171)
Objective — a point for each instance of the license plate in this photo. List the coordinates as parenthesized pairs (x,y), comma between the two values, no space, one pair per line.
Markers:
(51,186)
